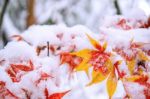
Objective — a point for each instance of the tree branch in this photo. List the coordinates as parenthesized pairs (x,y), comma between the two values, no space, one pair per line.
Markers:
(3,35)
(117,7)
(30,8)
(3,12)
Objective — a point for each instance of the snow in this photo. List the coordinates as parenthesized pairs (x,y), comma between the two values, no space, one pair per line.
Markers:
(9,27)
(123,36)
(64,39)
(50,33)
(15,51)
(136,90)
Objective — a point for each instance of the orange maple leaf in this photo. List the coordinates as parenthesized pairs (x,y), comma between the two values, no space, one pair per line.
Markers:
(58,95)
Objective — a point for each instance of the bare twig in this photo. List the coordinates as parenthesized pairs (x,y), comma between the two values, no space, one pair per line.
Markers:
(3,35)
(47,48)
(117,7)
(3,12)
(30,8)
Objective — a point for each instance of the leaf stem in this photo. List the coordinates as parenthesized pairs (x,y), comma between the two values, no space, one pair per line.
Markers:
(120,77)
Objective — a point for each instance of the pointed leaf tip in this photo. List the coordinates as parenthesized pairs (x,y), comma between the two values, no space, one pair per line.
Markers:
(95,43)
(111,83)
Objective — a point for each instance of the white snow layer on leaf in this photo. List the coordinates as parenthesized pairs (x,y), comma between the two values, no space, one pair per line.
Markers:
(15,51)
(117,36)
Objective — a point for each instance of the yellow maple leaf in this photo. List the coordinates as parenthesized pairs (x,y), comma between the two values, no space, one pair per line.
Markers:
(131,65)
(132,78)
(104,46)
(97,77)
(142,56)
(85,53)
(143,78)
(83,66)
(111,83)
(109,65)
(96,43)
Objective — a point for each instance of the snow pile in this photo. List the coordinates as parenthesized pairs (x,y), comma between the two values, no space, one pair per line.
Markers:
(31,64)
(124,22)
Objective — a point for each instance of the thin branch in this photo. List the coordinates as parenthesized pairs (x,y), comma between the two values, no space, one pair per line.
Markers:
(30,8)
(3,35)
(117,7)
(47,48)
(3,12)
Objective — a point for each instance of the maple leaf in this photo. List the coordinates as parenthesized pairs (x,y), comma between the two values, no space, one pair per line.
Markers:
(23,67)
(142,80)
(72,60)
(89,55)
(137,78)
(97,77)
(143,56)
(17,37)
(39,49)
(85,53)
(11,94)
(4,92)
(43,76)
(58,95)
(111,83)
(84,65)
(12,75)
(102,65)
(123,24)
(137,44)
(97,58)
(96,44)
(131,65)
(15,68)
(101,73)
(136,55)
